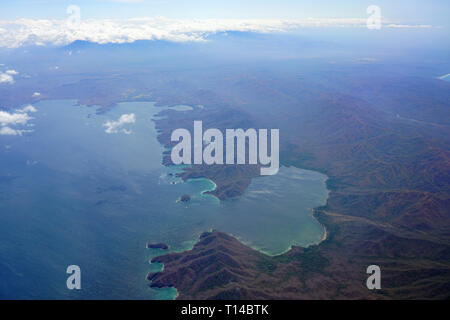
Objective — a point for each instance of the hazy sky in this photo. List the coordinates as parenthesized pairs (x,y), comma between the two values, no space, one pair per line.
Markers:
(434,12)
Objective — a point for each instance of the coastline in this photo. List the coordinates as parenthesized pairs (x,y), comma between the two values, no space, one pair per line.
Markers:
(185,177)
(323,237)
(259,250)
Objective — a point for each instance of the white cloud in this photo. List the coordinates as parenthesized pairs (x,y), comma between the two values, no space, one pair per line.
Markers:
(7,131)
(7,118)
(407,26)
(116,126)
(6,78)
(19,118)
(58,32)
(36,94)
(28,108)
(367,60)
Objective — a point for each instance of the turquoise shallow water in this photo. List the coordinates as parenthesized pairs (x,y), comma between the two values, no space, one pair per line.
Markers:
(70,193)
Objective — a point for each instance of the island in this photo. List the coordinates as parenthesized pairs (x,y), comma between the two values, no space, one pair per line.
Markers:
(159,245)
(185,198)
